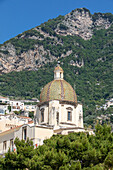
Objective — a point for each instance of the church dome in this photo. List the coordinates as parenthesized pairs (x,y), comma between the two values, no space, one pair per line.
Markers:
(58,89)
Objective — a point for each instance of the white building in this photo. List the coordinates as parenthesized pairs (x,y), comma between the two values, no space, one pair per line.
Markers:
(4,103)
(30,108)
(4,109)
(4,100)
(58,112)
(16,105)
(36,133)
(10,121)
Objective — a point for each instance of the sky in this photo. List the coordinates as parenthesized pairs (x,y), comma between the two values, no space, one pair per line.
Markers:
(17,16)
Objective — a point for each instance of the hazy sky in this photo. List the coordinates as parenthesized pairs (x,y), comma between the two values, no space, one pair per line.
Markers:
(17,16)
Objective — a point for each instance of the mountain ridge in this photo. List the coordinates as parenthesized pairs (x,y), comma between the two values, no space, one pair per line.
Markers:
(28,51)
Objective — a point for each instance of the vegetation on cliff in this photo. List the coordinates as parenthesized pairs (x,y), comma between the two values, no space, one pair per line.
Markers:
(92,78)
(87,64)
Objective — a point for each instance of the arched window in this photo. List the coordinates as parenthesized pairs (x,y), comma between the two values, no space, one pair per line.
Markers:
(11,145)
(60,75)
(69,113)
(24,133)
(42,115)
(57,118)
(69,116)
(4,145)
(80,116)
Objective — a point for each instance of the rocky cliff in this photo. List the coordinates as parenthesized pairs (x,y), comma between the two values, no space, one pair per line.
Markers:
(38,46)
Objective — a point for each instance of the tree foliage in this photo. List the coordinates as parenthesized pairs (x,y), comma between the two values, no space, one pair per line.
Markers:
(75,151)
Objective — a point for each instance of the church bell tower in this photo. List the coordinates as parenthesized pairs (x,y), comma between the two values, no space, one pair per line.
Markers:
(58,73)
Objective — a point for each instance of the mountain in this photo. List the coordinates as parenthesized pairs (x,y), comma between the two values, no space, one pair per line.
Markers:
(82,42)
(46,43)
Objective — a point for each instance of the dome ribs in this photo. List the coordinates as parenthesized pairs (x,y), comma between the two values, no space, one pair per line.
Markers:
(58,90)
(48,91)
(62,90)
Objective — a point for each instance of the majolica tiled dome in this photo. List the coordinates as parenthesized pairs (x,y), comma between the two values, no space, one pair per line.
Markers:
(58,89)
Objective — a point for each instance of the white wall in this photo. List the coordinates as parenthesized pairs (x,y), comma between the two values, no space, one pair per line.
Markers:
(36,133)
(10,121)
(54,107)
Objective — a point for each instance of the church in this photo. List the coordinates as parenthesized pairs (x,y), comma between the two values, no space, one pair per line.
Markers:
(58,112)
(58,107)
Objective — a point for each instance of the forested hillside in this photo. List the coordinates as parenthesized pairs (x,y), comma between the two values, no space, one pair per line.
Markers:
(53,39)
(84,51)
(75,151)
